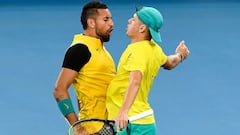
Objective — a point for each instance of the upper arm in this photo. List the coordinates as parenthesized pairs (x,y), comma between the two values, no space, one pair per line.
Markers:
(132,89)
(75,58)
(65,79)
(135,77)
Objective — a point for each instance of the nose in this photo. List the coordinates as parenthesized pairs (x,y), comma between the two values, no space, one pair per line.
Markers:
(129,20)
(111,23)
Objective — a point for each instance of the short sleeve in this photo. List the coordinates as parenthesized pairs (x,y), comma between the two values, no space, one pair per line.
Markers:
(76,57)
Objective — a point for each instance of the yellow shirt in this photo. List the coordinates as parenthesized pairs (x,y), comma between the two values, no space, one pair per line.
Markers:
(93,79)
(144,56)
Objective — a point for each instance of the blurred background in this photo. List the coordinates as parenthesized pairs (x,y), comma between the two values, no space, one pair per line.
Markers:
(199,97)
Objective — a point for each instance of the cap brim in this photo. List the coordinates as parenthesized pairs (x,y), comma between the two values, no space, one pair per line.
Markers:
(155,36)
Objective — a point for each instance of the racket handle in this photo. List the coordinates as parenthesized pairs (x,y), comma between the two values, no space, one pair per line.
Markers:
(141,115)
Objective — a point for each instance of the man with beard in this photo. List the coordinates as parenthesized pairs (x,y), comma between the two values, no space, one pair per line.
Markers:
(88,66)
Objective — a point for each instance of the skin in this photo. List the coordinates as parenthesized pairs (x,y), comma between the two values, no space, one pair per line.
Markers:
(99,27)
(137,31)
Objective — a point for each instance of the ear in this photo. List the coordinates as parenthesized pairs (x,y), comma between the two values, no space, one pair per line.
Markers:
(91,23)
(142,28)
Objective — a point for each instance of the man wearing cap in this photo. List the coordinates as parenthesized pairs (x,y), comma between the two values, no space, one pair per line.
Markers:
(127,94)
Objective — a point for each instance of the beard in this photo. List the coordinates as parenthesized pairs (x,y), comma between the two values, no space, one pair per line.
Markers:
(104,36)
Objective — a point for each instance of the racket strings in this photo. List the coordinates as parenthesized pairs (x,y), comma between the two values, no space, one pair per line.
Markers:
(93,127)
(107,130)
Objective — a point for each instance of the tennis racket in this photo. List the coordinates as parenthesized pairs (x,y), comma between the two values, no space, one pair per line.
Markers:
(100,127)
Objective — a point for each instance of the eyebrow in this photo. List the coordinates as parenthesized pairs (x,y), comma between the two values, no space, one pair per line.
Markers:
(107,17)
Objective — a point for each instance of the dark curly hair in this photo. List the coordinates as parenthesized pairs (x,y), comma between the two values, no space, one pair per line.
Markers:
(90,11)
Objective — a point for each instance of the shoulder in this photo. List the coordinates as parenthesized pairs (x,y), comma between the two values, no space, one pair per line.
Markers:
(76,57)
(78,47)
(78,50)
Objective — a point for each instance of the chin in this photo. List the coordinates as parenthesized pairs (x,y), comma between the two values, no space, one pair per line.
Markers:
(105,39)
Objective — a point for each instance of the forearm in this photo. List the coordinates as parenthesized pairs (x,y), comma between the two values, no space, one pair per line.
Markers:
(172,61)
(65,79)
(130,96)
(181,54)
(66,108)
(71,118)
(60,93)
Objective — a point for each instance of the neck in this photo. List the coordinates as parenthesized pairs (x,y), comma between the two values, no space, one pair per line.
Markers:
(90,33)
(134,40)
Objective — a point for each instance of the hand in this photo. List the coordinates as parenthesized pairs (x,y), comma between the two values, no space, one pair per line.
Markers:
(182,50)
(121,121)
(79,130)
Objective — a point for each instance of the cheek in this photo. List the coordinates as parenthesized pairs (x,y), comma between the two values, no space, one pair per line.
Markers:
(100,26)
(132,28)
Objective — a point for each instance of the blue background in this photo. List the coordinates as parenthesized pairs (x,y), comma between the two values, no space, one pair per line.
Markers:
(199,97)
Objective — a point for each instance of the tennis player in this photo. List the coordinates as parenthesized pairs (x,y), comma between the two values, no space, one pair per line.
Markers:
(88,66)
(139,64)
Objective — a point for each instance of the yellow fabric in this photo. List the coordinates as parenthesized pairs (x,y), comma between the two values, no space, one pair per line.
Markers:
(144,56)
(93,79)
(88,127)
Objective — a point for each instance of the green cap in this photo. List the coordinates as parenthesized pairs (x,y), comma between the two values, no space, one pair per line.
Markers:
(153,19)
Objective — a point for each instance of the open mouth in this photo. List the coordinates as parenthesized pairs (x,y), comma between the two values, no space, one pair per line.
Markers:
(110,31)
